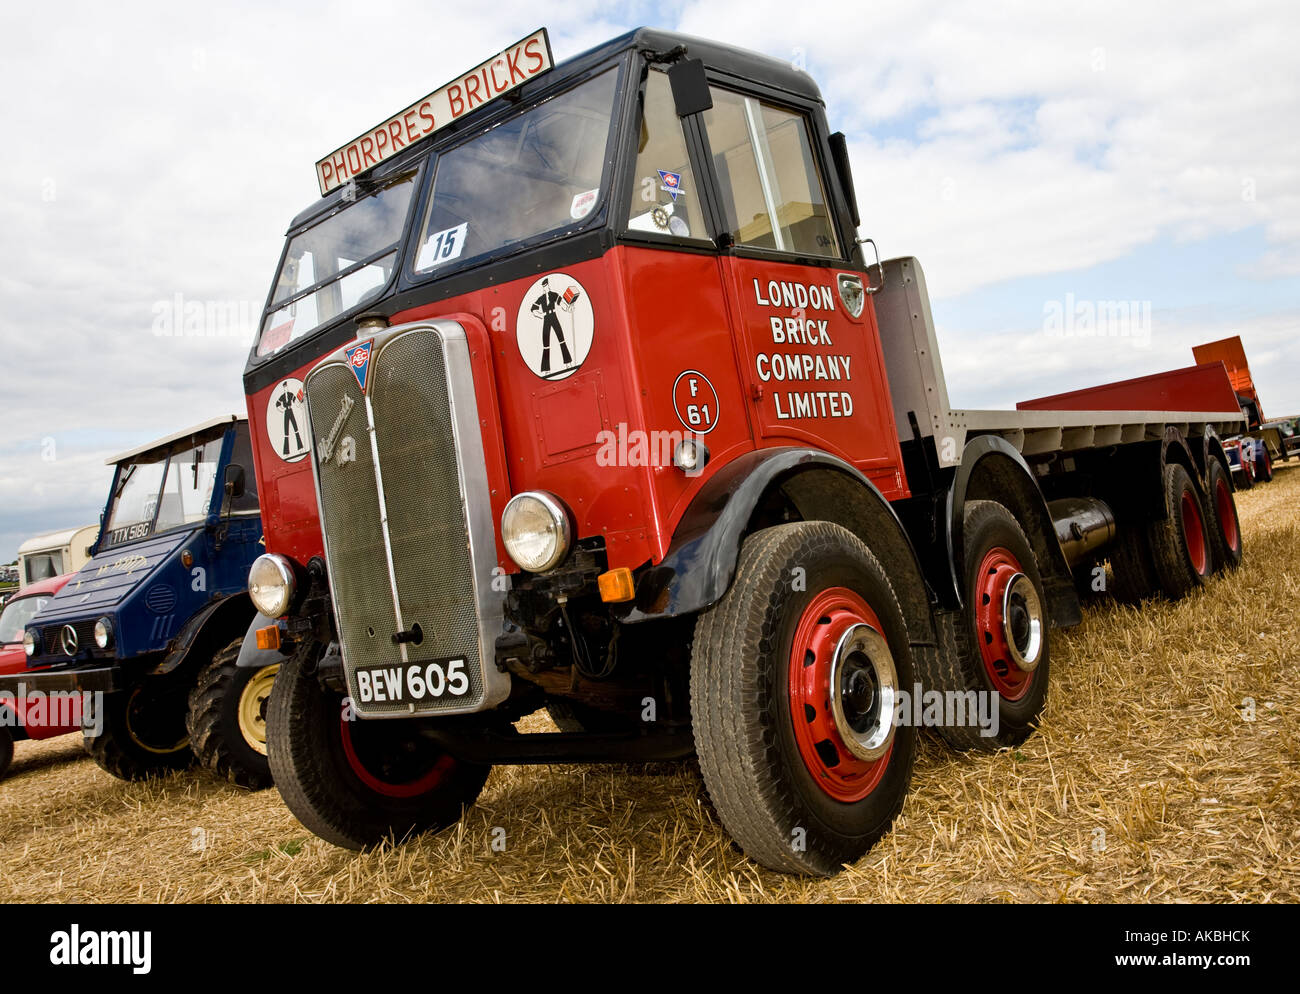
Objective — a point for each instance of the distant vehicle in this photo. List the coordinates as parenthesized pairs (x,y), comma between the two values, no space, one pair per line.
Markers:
(54,553)
(14,722)
(1289,444)
(1232,354)
(1248,461)
(153,624)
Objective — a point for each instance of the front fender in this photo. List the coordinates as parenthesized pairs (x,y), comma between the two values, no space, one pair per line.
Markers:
(250,656)
(701,561)
(202,635)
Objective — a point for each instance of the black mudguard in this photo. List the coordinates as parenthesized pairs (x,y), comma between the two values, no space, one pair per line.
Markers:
(701,561)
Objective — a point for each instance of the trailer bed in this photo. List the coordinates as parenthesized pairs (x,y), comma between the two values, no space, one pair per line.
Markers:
(1129,411)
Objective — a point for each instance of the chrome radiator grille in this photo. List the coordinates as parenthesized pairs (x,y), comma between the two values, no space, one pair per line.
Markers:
(430,484)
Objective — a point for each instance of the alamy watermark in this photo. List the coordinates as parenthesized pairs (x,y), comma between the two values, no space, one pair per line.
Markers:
(1122,319)
(52,709)
(179,317)
(658,448)
(920,708)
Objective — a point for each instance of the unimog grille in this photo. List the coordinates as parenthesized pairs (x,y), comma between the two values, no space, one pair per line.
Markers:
(434,566)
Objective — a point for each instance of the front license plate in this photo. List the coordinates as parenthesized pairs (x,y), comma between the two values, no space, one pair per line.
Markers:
(411,683)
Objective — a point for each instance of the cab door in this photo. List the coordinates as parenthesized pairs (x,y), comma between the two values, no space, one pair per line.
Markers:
(681,349)
(813,369)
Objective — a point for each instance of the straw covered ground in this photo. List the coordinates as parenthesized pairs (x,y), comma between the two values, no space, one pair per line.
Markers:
(1167,769)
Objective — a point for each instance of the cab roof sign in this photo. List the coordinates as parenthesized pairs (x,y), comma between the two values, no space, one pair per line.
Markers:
(522,61)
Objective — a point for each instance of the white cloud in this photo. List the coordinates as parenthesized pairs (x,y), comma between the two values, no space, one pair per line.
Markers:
(156,149)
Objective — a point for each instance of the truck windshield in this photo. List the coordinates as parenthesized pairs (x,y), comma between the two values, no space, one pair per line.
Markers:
(336,265)
(16,615)
(160,491)
(533,175)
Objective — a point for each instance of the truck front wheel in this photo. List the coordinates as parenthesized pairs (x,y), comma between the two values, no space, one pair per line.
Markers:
(139,733)
(227,719)
(356,782)
(795,675)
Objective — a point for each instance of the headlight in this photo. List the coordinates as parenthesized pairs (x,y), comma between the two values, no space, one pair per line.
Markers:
(271,585)
(104,632)
(29,642)
(535,530)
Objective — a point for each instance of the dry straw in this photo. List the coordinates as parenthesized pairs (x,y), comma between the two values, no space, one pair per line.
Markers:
(1146,783)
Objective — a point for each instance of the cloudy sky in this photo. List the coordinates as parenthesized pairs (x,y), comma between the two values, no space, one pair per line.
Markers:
(1039,159)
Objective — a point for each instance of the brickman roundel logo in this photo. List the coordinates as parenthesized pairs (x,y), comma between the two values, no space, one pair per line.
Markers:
(286,421)
(555,326)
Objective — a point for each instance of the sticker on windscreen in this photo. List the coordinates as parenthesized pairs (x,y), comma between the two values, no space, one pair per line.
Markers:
(286,421)
(582,204)
(671,183)
(555,326)
(442,246)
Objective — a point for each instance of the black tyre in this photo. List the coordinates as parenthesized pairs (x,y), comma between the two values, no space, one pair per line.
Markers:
(357,782)
(1133,574)
(6,751)
(1180,544)
(792,691)
(226,719)
(1001,636)
(1263,465)
(139,733)
(1221,511)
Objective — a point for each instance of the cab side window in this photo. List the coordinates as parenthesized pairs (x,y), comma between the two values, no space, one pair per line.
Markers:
(772,196)
(665,199)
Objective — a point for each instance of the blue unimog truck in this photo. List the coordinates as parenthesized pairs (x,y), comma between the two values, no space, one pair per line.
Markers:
(150,629)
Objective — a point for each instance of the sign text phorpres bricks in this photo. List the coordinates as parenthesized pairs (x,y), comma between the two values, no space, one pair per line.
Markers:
(498,75)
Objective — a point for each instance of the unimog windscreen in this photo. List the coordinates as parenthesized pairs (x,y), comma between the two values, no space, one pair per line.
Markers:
(161,490)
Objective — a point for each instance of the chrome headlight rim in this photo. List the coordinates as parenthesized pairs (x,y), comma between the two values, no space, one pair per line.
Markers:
(103,633)
(272,595)
(560,524)
(31,638)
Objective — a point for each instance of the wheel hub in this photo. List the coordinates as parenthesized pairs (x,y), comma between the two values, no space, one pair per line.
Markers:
(1226,514)
(1009,621)
(864,690)
(1022,621)
(1194,532)
(843,689)
(252,708)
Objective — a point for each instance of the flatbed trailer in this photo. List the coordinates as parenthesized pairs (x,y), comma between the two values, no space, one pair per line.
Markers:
(629,430)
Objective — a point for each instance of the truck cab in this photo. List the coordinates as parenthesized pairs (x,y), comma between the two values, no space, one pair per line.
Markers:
(163,594)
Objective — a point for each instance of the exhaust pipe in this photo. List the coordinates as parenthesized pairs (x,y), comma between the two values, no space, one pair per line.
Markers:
(1083,526)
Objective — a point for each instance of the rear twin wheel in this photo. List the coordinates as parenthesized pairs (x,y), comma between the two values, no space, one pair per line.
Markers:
(795,675)
(1176,555)
(1180,543)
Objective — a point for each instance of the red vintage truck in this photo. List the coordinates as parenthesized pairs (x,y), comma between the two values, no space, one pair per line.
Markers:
(576,391)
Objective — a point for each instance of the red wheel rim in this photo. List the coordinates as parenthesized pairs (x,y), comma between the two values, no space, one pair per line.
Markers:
(834,768)
(998,569)
(411,788)
(1194,532)
(1227,514)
